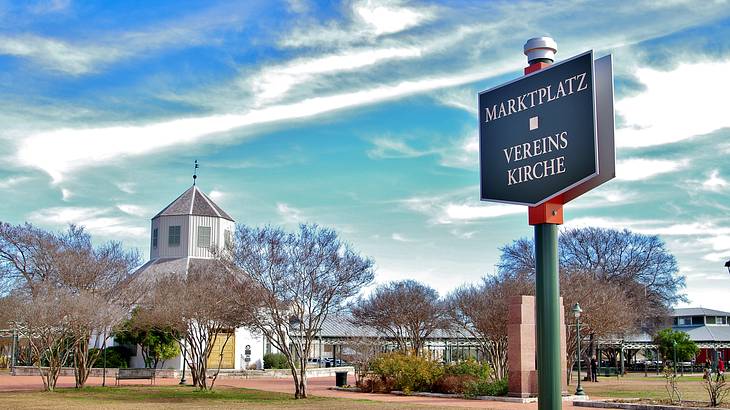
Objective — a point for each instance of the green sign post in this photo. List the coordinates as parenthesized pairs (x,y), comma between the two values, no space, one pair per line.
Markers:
(545,139)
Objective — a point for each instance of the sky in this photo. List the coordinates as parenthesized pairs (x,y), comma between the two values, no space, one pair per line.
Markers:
(357,115)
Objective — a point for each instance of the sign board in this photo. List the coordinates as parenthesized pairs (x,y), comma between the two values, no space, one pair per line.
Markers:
(538,134)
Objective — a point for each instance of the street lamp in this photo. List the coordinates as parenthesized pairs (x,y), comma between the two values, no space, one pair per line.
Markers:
(576,312)
(674,347)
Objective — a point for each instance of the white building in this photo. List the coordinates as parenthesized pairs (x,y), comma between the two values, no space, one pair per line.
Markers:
(182,234)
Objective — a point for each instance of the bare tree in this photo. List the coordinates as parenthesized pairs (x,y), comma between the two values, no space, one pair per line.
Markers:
(93,283)
(43,320)
(481,311)
(608,311)
(407,311)
(201,306)
(101,281)
(302,278)
(362,352)
(26,255)
(639,263)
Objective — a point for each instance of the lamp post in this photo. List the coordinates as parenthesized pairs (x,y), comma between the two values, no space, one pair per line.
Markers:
(674,348)
(576,312)
(185,353)
(103,374)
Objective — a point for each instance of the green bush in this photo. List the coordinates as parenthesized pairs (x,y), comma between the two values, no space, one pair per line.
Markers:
(469,367)
(275,361)
(408,373)
(457,376)
(485,388)
(116,357)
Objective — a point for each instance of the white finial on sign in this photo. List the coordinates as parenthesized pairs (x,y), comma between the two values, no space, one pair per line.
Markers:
(540,49)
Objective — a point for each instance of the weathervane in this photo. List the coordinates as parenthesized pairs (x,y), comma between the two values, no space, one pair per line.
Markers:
(195,172)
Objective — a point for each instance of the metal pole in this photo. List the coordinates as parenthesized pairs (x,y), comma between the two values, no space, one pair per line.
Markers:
(182,380)
(103,373)
(540,53)
(674,348)
(548,317)
(579,391)
(14,352)
(622,360)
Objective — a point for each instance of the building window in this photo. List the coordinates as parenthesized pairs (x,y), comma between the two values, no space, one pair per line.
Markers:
(203,236)
(228,235)
(174,237)
(716,320)
(684,321)
(154,238)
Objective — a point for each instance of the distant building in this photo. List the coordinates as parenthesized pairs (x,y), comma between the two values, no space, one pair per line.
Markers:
(182,235)
(708,328)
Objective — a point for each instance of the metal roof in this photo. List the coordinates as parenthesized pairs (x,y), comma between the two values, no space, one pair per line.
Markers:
(194,202)
(718,333)
(341,326)
(159,267)
(698,312)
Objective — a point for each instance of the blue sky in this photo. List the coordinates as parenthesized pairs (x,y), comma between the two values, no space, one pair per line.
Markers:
(359,115)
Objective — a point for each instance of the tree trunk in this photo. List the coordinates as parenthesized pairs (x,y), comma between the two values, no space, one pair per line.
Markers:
(303,377)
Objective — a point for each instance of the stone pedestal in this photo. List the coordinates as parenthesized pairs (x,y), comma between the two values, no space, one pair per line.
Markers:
(521,347)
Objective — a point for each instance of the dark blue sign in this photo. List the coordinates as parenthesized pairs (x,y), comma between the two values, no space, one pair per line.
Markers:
(537,134)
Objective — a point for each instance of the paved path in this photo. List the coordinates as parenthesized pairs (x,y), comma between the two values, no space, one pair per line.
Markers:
(318,387)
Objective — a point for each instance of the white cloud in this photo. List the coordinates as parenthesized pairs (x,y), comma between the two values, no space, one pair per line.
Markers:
(653,227)
(12,182)
(216,195)
(126,187)
(95,220)
(290,214)
(388,148)
(369,19)
(461,98)
(463,154)
(56,54)
(84,57)
(637,169)
(59,151)
(134,210)
(715,182)
(66,194)
(400,237)
(676,105)
(272,83)
(457,208)
(385,17)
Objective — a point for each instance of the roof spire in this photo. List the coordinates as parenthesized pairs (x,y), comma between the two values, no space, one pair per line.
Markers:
(195,172)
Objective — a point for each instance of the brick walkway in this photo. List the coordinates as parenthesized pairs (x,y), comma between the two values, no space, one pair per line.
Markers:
(317,386)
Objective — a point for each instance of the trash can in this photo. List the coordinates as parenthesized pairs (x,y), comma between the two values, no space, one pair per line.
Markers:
(340,379)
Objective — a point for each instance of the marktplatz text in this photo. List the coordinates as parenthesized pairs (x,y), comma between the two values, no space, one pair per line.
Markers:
(542,95)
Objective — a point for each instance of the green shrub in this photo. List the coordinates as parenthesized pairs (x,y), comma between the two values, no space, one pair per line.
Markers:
(469,367)
(452,383)
(408,373)
(458,375)
(485,388)
(116,357)
(275,361)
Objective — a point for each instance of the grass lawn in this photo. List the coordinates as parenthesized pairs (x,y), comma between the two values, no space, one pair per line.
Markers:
(651,387)
(183,397)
